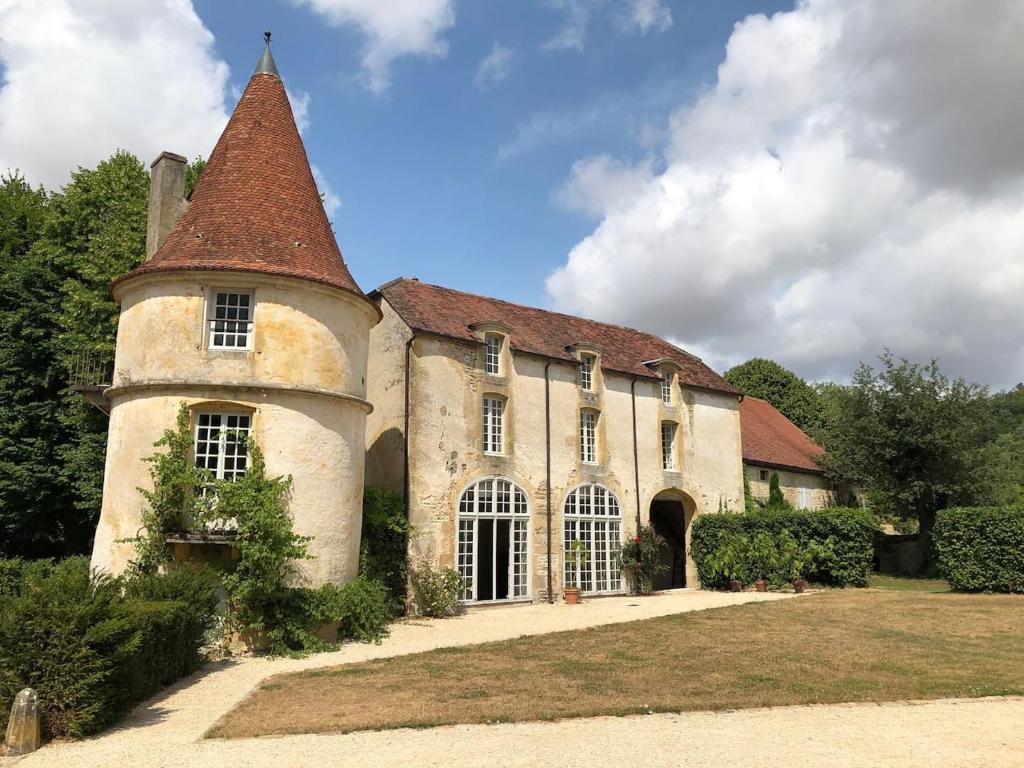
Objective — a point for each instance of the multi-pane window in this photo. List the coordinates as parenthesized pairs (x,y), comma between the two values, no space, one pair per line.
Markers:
(668,445)
(493,541)
(494,414)
(666,387)
(592,515)
(220,445)
(587,372)
(492,355)
(588,436)
(230,324)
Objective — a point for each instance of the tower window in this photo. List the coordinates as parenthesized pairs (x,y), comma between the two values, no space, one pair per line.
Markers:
(220,443)
(587,372)
(492,355)
(494,415)
(588,437)
(230,323)
(668,445)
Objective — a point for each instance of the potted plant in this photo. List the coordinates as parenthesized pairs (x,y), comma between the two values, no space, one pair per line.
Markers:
(730,560)
(577,556)
(763,560)
(797,560)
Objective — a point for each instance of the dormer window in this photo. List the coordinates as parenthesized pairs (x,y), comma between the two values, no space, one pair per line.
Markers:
(666,387)
(587,372)
(230,321)
(492,354)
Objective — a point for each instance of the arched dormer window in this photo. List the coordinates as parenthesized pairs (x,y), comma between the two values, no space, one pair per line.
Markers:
(592,515)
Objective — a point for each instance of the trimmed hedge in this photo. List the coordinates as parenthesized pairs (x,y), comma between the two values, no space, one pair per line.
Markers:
(93,646)
(981,549)
(848,531)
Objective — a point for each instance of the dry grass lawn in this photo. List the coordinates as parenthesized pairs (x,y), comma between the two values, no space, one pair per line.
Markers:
(840,646)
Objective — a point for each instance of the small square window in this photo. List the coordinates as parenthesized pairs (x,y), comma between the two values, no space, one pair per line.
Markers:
(230,322)
(764,476)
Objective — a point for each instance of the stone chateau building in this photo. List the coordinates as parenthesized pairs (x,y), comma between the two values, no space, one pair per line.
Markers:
(510,431)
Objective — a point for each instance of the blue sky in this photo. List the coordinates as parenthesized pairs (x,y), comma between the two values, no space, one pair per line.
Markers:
(423,189)
(812,181)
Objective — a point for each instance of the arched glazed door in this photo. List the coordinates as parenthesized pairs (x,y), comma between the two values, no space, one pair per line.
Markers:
(493,544)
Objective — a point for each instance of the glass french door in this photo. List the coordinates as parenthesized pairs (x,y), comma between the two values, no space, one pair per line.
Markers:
(493,541)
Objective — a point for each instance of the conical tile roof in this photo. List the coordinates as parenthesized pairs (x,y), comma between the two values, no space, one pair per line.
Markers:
(256,208)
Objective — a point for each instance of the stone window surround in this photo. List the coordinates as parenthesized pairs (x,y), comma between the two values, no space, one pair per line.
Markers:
(212,295)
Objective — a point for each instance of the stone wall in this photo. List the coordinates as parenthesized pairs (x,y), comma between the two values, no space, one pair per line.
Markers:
(790,483)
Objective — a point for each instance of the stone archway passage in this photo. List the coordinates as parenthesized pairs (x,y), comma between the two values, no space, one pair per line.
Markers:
(668,516)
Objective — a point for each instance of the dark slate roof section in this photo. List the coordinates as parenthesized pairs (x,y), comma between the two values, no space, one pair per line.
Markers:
(445,312)
(770,438)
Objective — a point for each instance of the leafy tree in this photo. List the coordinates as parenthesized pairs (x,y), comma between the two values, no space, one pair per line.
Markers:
(192,171)
(775,498)
(909,437)
(32,498)
(769,381)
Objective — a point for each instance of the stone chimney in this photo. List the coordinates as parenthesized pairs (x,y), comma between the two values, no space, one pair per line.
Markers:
(166,199)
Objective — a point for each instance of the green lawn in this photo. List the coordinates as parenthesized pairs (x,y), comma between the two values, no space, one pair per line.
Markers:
(835,646)
(907,583)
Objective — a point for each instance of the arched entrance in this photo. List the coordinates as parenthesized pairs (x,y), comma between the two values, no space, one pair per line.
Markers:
(671,513)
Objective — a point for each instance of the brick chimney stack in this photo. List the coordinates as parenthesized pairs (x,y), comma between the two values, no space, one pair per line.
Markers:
(166,199)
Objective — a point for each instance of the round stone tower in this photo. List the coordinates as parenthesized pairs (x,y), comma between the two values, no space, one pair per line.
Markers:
(247,313)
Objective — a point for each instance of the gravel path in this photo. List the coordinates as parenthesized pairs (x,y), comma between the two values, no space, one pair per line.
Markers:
(168,730)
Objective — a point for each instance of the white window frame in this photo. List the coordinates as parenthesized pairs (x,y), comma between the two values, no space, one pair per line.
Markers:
(666,387)
(229,433)
(220,325)
(668,445)
(494,497)
(588,436)
(492,354)
(592,514)
(493,425)
(587,365)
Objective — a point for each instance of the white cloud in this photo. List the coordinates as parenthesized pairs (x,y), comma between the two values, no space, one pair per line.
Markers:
(850,182)
(332,203)
(640,16)
(392,29)
(494,68)
(82,78)
(299,101)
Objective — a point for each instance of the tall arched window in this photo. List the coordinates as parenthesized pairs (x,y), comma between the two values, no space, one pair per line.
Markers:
(493,541)
(592,515)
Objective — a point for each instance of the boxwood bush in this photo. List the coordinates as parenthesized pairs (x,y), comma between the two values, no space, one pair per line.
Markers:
(93,646)
(845,534)
(981,549)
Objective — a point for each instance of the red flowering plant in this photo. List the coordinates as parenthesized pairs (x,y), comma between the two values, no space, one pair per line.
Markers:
(641,560)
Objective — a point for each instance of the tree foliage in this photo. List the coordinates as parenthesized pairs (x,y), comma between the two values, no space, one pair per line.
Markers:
(767,380)
(910,437)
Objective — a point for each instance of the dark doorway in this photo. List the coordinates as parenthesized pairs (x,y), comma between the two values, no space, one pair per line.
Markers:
(493,559)
(669,520)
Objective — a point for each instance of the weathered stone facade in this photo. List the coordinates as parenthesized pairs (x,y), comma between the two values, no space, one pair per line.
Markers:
(803,490)
(446,386)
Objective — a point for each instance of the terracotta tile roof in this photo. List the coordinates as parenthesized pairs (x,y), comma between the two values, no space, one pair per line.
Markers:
(442,311)
(256,207)
(770,438)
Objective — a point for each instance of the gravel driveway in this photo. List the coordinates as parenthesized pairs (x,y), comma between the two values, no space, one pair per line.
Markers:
(168,730)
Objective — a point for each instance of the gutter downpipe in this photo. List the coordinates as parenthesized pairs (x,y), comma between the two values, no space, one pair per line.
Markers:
(547,447)
(405,434)
(636,455)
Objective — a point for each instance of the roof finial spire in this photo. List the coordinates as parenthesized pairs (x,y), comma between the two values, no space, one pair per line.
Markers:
(266,65)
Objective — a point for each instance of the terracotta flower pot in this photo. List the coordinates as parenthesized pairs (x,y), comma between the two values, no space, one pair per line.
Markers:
(736,585)
(572,595)
(761,585)
(799,585)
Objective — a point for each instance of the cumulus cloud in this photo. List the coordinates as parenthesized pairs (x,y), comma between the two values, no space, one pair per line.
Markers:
(83,78)
(494,68)
(640,16)
(391,29)
(332,203)
(849,182)
(299,101)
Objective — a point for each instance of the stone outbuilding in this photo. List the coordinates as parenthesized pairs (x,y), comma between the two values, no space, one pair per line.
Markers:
(513,431)
(246,312)
(772,444)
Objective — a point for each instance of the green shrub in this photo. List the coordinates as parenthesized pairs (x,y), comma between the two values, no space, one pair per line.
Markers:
(93,646)
(436,592)
(364,611)
(384,551)
(640,560)
(981,549)
(844,537)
